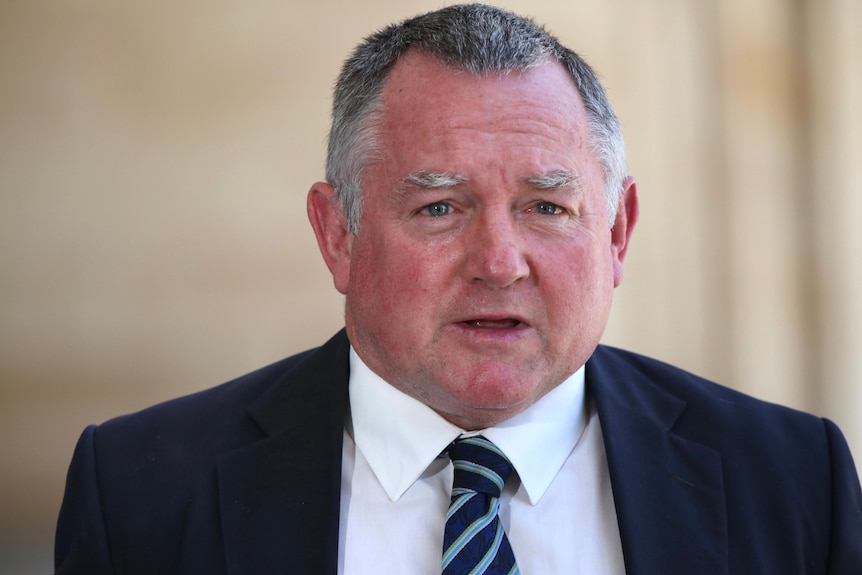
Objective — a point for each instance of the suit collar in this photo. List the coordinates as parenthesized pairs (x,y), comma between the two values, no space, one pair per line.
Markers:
(285,487)
(668,490)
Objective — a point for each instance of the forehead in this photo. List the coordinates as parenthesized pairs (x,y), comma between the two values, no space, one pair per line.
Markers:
(434,113)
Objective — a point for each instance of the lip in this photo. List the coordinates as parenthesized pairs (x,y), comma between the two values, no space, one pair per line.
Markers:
(487,323)
(493,324)
(485,334)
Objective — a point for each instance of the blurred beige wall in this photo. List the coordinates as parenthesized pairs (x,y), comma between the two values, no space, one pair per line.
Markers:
(155,155)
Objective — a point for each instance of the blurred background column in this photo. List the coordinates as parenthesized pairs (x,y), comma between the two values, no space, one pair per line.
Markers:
(834,90)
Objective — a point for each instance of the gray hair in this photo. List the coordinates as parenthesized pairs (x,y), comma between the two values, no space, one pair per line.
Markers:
(476,38)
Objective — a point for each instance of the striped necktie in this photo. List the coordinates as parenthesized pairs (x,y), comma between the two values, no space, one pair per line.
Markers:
(474,542)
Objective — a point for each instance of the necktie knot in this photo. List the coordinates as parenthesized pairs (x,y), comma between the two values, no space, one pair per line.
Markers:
(479,466)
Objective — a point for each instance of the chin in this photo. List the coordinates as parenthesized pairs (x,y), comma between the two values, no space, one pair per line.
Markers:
(500,395)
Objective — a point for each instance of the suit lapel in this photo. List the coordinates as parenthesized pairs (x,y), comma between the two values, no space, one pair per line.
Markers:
(280,495)
(668,490)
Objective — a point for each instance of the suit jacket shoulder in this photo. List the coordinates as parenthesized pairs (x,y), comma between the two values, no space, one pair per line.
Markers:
(213,481)
(706,478)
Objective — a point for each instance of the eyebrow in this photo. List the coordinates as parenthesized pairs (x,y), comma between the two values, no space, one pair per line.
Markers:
(433,180)
(556,180)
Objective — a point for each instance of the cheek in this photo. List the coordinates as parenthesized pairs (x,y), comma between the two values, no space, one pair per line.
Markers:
(390,276)
(577,282)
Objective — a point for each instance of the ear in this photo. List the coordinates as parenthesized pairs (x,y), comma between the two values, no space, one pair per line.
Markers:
(624,223)
(333,236)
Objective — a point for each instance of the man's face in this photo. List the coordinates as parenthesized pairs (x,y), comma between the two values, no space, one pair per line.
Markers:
(483,269)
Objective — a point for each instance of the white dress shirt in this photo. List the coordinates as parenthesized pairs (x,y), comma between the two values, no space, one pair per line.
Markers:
(557,509)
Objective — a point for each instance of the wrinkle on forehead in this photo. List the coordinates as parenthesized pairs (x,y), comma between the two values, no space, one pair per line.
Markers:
(419,84)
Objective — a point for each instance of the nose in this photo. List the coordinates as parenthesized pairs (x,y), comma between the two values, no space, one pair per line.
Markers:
(496,251)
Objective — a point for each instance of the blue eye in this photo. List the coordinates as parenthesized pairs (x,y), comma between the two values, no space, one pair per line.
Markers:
(437,210)
(547,208)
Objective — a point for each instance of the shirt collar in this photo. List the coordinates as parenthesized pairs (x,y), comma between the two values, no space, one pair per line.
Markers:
(400,436)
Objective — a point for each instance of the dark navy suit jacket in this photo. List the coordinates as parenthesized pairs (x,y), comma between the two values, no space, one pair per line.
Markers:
(245,478)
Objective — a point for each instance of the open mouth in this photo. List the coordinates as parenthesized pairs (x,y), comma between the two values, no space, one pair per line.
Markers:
(506,323)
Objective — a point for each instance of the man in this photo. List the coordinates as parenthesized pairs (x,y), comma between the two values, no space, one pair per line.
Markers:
(476,215)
